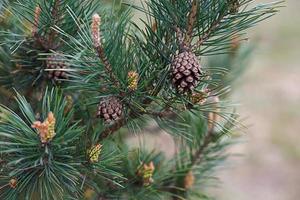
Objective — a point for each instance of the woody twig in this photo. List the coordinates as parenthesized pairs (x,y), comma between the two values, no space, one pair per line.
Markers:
(95,29)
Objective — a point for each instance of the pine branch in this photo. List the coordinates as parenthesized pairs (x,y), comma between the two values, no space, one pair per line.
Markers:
(68,156)
(55,13)
(96,22)
(167,113)
(209,136)
(38,38)
(209,31)
(107,65)
(197,157)
(112,129)
(7,93)
(37,14)
(191,20)
(51,143)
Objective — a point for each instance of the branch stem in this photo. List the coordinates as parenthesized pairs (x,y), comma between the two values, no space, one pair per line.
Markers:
(55,16)
(209,31)
(96,36)
(197,157)
(107,65)
(191,22)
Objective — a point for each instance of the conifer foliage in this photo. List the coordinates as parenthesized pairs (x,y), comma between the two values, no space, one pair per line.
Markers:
(77,77)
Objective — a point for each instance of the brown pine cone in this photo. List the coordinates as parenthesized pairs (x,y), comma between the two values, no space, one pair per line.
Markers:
(186,71)
(110,109)
(56,61)
(234,6)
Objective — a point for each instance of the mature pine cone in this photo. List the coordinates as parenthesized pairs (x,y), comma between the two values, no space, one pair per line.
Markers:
(186,71)
(56,61)
(110,109)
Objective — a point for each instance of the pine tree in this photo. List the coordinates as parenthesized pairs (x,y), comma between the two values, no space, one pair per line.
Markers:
(78,76)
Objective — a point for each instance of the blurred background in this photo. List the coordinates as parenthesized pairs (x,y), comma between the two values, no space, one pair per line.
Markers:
(269,93)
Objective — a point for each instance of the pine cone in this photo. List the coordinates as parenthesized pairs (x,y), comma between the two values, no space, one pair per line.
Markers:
(110,109)
(185,71)
(56,61)
(233,6)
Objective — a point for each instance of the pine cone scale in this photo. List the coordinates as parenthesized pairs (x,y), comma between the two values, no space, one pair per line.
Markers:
(56,64)
(185,71)
(110,109)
